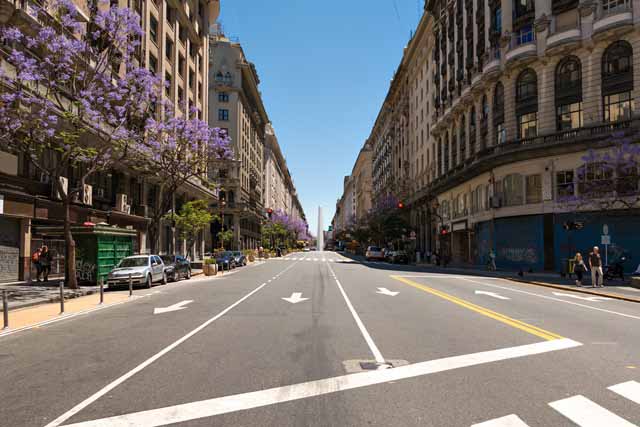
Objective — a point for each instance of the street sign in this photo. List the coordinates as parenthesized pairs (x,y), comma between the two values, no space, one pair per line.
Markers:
(605,229)
(605,239)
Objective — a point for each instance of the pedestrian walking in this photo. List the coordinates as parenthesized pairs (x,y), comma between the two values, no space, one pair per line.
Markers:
(492,261)
(35,259)
(595,265)
(45,262)
(579,268)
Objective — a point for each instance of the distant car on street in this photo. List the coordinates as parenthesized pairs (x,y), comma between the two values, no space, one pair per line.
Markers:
(397,257)
(143,269)
(226,260)
(176,267)
(306,250)
(374,253)
(240,258)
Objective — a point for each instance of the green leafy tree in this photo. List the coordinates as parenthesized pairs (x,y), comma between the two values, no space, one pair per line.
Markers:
(225,237)
(192,219)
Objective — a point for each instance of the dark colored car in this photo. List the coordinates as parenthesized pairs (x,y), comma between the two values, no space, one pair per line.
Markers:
(241,259)
(176,267)
(398,257)
(226,260)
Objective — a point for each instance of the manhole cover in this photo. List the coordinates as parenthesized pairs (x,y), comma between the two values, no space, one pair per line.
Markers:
(364,365)
(374,366)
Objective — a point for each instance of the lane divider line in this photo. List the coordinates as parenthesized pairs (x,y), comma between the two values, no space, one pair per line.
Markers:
(97,395)
(363,330)
(240,402)
(533,330)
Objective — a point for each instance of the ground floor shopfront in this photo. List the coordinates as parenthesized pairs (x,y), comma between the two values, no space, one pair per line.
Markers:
(540,242)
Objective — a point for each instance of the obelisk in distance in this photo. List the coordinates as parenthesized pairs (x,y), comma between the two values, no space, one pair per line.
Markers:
(320,245)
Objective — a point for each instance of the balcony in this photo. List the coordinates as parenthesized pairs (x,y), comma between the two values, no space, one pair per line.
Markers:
(492,64)
(522,46)
(613,14)
(563,35)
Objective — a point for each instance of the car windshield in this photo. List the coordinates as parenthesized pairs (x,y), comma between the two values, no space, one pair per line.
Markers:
(374,249)
(226,254)
(134,262)
(167,259)
(237,253)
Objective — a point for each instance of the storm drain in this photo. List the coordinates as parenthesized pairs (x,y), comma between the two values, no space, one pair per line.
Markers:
(353,366)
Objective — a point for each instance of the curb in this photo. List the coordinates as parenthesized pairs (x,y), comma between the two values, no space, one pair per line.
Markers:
(581,291)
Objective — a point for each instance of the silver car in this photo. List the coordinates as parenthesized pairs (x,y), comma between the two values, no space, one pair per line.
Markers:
(143,269)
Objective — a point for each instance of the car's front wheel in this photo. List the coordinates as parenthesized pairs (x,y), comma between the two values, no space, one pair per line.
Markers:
(149,283)
(164,278)
(188,273)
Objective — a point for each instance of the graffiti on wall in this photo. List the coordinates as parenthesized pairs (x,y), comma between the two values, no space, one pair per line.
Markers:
(85,271)
(525,255)
(9,257)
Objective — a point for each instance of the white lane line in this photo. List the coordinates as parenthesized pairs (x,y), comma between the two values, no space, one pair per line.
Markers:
(445,276)
(97,395)
(508,421)
(586,413)
(630,316)
(629,390)
(372,345)
(239,402)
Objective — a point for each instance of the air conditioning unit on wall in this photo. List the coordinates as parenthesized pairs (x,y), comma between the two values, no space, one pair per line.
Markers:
(87,195)
(121,202)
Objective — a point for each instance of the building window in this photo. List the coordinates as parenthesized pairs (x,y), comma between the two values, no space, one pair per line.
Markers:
(618,107)
(171,16)
(614,6)
(525,35)
(528,125)
(180,96)
(564,184)
(617,81)
(167,84)
(498,114)
(472,130)
(568,94)
(192,79)
(512,190)
(219,76)
(595,180)
(153,29)
(153,64)
(527,104)
(463,137)
(533,190)
(181,65)
(168,48)
(223,115)
(228,78)
(501,133)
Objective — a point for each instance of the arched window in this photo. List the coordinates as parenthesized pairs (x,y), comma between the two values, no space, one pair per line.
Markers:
(472,130)
(484,120)
(228,78)
(527,104)
(446,152)
(617,81)
(463,138)
(498,114)
(219,76)
(568,94)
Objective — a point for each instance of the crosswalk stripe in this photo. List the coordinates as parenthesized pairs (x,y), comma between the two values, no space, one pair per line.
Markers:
(508,421)
(586,413)
(629,390)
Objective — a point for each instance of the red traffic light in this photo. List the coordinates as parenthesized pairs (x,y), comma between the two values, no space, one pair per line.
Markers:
(400,205)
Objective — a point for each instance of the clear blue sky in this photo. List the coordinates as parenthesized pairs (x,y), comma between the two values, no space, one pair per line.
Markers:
(325,67)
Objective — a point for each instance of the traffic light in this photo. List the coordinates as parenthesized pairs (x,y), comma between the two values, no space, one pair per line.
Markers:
(444,230)
(400,205)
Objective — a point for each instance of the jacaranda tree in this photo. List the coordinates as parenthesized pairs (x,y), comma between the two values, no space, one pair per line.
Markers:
(73,101)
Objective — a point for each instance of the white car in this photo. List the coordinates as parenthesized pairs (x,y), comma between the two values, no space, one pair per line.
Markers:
(143,269)
(374,253)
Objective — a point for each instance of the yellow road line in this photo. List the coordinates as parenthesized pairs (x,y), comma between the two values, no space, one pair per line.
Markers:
(534,330)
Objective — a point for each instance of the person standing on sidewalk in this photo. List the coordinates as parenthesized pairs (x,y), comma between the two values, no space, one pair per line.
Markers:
(595,264)
(45,262)
(579,268)
(35,259)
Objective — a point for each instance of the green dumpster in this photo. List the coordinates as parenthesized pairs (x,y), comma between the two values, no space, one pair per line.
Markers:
(98,249)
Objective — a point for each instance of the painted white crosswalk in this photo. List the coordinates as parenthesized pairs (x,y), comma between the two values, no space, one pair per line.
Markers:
(345,260)
(580,410)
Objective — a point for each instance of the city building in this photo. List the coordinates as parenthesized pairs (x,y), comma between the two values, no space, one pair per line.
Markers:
(361,174)
(235,105)
(175,46)
(486,131)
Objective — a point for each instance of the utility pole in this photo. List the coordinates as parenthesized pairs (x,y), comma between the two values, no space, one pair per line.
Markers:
(320,239)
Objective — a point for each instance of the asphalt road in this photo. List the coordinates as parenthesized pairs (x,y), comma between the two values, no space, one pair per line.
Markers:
(353,344)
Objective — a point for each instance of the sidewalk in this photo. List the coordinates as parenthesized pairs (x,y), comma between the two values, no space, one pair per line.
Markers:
(23,295)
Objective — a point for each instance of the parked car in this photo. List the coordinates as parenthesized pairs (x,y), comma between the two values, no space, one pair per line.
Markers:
(143,269)
(226,260)
(397,257)
(374,253)
(176,267)
(306,250)
(240,258)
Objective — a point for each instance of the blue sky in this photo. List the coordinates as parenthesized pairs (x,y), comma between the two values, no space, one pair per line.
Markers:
(325,67)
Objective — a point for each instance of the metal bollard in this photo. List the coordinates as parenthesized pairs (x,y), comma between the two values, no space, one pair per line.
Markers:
(130,285)
(101,290)
(5,309)
(61,297)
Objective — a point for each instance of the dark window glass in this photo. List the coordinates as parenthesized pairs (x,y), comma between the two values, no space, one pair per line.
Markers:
(153,29)
(569,116)
(223,114)
(528,125)
(168,48)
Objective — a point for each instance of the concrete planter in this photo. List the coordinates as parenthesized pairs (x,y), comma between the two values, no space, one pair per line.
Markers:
(635,282)
(210,269)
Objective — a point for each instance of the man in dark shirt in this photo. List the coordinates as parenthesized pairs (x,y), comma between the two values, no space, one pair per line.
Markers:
(595,264)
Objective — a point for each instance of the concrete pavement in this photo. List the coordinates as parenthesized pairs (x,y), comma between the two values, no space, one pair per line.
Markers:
(291,343)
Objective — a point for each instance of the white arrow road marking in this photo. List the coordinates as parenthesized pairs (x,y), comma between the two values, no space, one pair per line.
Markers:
(385,291)
(491,294)
(256,399)
(560,294)
(174,307)
(295,298)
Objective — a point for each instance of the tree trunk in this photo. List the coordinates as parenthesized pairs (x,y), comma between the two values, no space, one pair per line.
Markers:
(70,245)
